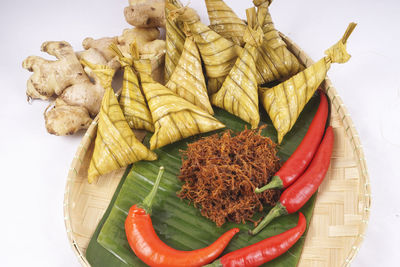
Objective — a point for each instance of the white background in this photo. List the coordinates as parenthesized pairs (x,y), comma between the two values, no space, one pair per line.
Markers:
(34,164)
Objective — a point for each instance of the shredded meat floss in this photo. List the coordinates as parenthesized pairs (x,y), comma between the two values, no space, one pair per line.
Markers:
(220,173)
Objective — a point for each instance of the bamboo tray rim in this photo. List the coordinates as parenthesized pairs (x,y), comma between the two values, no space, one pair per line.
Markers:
(336,102)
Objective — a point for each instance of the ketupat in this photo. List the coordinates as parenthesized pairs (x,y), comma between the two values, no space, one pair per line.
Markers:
(174,117)
(225,22)
(239,92)
(218,54)
(116,146)
(187,81)
(285,101)
(132,102)
(263,15)
(275,62)
(175,39)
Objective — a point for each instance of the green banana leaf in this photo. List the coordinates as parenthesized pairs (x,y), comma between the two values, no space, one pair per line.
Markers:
(178,223)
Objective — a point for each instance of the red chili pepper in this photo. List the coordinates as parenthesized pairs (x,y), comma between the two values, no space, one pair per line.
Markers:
(265,250)
(294,197)
(298,162)
(148,247)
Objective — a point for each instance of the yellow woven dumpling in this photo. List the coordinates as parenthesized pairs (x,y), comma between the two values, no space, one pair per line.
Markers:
(132,102)
(174,117)
(218,53)
(275,61)
(187,81)
(225,22)
(239,93)
(285,101)
(116,146)
(174,40)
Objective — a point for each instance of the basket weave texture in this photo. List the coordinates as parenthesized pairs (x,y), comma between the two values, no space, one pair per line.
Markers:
(340,216)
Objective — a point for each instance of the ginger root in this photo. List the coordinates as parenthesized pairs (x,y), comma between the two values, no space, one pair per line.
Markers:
(50,78)
(64,119)
(146,39)
(142,36)
(141,13)
(86,95)
(149,46)
(77,90)
(78,99)
(101,45)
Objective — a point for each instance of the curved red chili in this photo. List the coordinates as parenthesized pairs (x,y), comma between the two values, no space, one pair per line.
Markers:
(302,156)
(148,247)
(294,197)
(265,250)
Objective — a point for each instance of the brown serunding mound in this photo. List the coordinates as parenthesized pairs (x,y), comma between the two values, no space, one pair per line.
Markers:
(221,172)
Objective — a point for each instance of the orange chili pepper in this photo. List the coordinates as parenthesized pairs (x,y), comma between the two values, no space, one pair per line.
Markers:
(148,247)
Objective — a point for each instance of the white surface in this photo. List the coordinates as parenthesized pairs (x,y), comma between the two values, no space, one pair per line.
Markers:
(34,164)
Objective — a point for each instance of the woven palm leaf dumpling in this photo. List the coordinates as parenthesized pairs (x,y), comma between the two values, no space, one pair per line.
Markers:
(174,117)
(275,62)
(239,92)
(116,145)
(188,80)
(174,40)
(285,101)
(132,102)
(225,22)
(218,53)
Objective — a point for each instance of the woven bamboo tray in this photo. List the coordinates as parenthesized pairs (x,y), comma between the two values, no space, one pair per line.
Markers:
(340,216)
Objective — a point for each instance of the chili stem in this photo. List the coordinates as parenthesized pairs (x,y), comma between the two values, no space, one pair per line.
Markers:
(275,212)
(148,200)
(275,183)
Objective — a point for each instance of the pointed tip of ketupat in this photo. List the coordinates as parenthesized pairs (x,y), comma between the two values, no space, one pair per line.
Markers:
(92,179)
(348,32)
(338,53)
(152,156)
(280,138)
